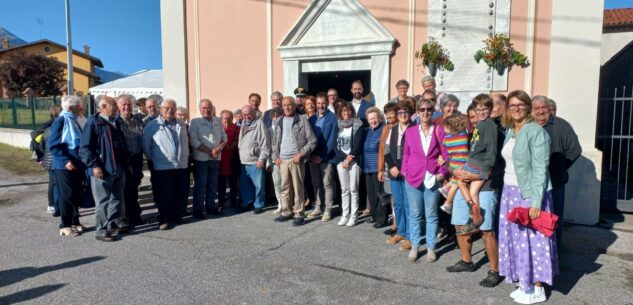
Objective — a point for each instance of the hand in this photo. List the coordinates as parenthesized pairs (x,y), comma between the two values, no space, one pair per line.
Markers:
(297,158)
(278,162)
(394,171)
(316,160)
(439,177)
(349,158)
(97,172)
(216,152)
(260,164)
(69,166)
(345,164)
(534,213)
(269,168)
(381,176)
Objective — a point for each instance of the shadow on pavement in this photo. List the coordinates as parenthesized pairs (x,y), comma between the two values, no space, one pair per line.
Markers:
(29,294)
(11,276)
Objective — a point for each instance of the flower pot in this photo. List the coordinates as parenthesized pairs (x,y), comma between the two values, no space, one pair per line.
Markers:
(500,67)
(432,68)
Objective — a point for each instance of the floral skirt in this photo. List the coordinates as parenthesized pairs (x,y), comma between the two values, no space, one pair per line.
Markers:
(525,255)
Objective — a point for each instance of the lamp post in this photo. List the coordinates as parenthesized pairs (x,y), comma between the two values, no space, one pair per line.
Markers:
(69,52)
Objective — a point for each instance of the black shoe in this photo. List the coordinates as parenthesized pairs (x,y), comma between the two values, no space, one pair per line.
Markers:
(106,238)
(124,230)
(461,266)
(371,220)
(379,225)
(493,279)
(389,231)
(214,211)
(198,215)
(298,222)
(258,211)
(282,218)
(242,209)
(137,221)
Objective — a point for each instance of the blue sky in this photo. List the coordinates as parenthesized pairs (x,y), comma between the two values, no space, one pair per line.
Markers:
(124,34)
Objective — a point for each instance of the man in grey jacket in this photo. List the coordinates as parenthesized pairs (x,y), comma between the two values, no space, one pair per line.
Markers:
(294,140)
(254,148)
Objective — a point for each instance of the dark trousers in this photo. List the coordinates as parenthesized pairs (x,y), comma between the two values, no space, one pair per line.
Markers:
(53,195)
(374,188)
(558,196)
(70,189)
(170,188)
(133,178)
(232,184)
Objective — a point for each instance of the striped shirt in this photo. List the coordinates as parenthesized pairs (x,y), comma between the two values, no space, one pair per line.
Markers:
(457,147)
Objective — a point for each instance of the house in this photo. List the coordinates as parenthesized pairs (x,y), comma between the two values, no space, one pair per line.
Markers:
(83,63)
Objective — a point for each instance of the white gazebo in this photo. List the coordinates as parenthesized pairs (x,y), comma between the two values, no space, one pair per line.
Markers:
(140,84)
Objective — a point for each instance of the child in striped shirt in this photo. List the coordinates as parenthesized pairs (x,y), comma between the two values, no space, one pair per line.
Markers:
(456,143)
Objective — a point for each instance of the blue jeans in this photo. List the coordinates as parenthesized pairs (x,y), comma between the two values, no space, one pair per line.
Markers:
(401,207)
(205,186)
(558,196)
(252,186)
(418,198)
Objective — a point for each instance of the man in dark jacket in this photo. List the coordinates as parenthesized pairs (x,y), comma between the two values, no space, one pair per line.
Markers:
(564,151)
(323,159)
(103,151)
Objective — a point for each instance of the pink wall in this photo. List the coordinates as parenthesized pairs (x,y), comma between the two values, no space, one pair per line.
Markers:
(233,53)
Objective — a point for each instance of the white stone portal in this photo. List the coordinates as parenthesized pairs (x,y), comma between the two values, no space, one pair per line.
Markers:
(338,35)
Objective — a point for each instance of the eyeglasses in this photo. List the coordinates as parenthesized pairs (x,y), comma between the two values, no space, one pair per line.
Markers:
(481,110)
(402,113)
(331,95)
(425,109)
(517,106)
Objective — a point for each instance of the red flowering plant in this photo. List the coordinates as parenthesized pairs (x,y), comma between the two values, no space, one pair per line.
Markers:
(434,56)
(499,54)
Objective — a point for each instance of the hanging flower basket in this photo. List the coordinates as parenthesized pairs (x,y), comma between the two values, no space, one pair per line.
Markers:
(434,56)
(499,54)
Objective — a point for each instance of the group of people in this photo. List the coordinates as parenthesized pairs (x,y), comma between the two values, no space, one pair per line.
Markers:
(398,163)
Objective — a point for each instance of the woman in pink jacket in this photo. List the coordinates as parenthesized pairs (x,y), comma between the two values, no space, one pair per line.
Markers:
(422,169)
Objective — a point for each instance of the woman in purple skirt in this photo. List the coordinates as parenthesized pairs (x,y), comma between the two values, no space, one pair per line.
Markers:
(526,256)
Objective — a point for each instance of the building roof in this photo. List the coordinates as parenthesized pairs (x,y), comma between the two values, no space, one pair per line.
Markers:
(619,17)
(13,40)
(97,62)
(139,84)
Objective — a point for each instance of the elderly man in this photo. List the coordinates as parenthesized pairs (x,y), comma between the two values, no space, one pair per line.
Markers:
(359,103)
(254,148)
(402,86)
(292,143)
(207,140)
(254,100)
(166,144)
(63,143)
(323,159)
(428,83)
(552,106)
(275,100)
(103,150)
(332,96)
(300,95)
(132,128)
(564,151)
(153,110)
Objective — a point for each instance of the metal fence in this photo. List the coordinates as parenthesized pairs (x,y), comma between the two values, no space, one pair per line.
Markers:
(615,140)
(29,113)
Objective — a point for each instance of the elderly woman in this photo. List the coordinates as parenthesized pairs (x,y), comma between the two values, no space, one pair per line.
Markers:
(370,166)
(309,106)
(422,171)
(393,158)
(69,170)
(525,255)
(227,173)
(449,105)
(349,148)
(383,175)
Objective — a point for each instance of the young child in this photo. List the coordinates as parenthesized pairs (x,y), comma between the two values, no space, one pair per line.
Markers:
(456,143)
(481,156)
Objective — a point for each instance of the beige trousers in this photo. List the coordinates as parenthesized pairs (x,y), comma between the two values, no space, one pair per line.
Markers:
(292,193)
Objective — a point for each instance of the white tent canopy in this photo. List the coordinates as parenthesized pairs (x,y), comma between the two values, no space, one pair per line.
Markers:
(140,84)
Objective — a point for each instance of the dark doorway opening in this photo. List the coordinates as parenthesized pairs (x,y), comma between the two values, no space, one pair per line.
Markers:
(339,80)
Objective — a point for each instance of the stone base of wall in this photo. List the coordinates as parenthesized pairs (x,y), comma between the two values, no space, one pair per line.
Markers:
(15,137)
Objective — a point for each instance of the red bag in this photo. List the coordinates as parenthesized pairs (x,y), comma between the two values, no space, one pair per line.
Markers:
(545,223)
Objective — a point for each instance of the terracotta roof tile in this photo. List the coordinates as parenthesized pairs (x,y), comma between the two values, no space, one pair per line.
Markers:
(618,17)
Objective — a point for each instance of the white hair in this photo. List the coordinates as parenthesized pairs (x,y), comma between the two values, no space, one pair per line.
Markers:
(169,100)
(428,78)
(70,101)
(156,98)
(129,97)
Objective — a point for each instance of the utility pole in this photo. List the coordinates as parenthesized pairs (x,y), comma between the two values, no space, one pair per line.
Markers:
(69,52)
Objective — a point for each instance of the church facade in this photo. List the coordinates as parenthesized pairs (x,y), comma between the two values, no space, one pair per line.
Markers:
(226,49)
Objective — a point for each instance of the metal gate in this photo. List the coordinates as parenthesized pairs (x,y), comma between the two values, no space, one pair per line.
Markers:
(615,140)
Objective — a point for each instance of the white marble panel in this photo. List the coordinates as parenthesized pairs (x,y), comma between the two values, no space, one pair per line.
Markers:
(336,65)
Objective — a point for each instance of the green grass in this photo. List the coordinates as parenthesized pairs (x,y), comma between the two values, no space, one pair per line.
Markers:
(18,160)
(24,117)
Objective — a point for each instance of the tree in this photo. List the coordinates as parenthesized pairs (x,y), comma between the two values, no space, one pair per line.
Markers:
(20,71)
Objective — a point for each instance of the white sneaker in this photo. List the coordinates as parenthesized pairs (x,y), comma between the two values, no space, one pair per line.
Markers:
(352,221)
(537,295)
(447,208)
(50,210)
(413,254)
(515,293)
(431,256)
(343,221)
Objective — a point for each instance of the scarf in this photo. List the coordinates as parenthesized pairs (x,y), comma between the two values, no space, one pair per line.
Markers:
(345,123)
(71,134)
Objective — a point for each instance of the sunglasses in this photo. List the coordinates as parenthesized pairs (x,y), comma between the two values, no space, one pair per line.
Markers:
(402,113)
(425,109)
